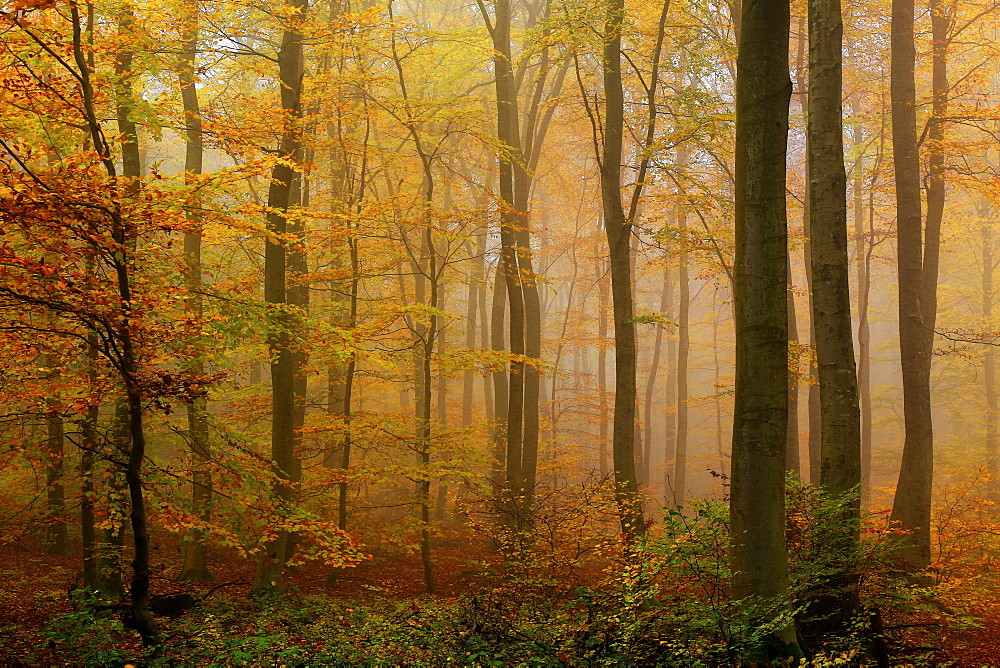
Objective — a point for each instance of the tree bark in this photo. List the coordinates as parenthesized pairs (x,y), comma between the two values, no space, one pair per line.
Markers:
(125,357)
(57,538)
(195,567)
(863,260)
(683,352)
(619,232)
(917,252)
(270,569)
(666,294)
(989,357)
(757,518)
(602,367)
(840,413)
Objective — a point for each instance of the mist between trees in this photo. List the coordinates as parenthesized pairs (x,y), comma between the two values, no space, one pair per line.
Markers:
(673,319)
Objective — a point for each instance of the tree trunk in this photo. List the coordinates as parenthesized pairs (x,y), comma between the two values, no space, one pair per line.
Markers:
(195,567)
(760,416)
(270,569)
(442,402)
(666,294)
(619,232)
(793,458)
(57,538)
(683,351)
(840,472)
(500,385)
(602,367)
(88,446)
(989,357)
(863,260)
(917,268)
(717,396)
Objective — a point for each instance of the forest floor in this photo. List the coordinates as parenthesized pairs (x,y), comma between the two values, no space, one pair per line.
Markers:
(35,588)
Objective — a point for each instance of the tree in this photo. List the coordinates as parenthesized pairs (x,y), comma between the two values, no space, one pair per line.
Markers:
(280,203)
(917,253)
(619,232)
(840,414)
(195,567)
(763,90)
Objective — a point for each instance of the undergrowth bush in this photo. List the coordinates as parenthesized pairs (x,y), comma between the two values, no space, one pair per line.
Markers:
(562,590)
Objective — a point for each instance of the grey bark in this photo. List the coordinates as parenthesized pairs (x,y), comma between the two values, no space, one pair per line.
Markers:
(760,424)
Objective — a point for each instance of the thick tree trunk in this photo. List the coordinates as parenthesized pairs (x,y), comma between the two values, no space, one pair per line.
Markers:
(760,425)
(840,472)
(840,427)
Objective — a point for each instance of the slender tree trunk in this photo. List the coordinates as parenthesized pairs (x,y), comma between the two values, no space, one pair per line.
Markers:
(139,616)
(532,337)
(270,569)
(472,300)
(683,351)
(88,426)
(500,385)
(670,419)
(347,409)
(602,368)
(717,398)
(195,567)
(442,401)
(757,517)
(917,262)
(88,533)
(861,253)
(793,457)
(427,337)
(619,232)
(553,410)
(813,405)
(665,297)
(989,357)
(57,538)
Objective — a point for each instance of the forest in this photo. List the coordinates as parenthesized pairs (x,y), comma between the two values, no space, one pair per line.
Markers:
(499,333)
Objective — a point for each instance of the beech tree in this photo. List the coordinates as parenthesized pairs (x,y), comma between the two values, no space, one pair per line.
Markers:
(760,417)
(280,203)
(840,422)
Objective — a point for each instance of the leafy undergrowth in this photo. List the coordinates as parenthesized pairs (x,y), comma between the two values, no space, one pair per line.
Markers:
(378,614)
(565,594)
